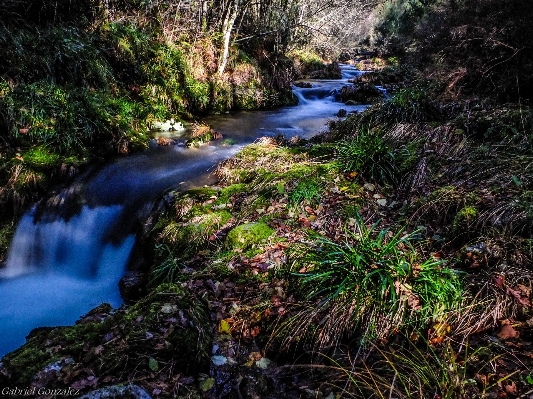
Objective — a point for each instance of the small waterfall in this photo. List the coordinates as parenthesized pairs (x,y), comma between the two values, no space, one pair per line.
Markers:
(73,247)
(58,270)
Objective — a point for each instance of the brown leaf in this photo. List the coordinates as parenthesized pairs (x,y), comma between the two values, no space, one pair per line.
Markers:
(304,221)
(499,280)
(517,294)
(511,388)
(276,300)
(414,302)
(525,290)
(507,332)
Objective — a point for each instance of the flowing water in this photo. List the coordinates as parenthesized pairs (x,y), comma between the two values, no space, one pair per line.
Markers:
(61,265)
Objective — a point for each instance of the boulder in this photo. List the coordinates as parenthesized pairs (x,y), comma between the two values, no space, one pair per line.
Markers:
(132,286)
(362,93)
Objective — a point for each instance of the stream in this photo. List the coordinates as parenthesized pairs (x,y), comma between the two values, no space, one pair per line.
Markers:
(61,265)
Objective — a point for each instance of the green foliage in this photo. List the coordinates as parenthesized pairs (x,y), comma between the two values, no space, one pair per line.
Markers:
(413,104)
(248,235)
(67,119)
(374,281)
(169,266)
(306,191)
(308,60)
(367,154)
(464,219)
(400,17)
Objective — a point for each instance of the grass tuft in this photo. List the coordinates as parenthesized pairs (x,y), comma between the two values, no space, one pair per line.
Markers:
(373,283)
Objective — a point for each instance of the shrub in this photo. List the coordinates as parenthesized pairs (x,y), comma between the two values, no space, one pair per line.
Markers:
(413,105)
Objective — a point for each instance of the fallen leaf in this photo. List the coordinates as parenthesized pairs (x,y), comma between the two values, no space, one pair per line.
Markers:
(511,388)
(224,327)
(219,360)
(516,294)
(525,290)
(507,332)
(207,384)
(414,302)
(441,329)
(168,308)
(153,364)
(263,363)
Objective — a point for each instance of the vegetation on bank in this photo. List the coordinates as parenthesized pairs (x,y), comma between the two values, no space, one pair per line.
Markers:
(84,82)
(388,257)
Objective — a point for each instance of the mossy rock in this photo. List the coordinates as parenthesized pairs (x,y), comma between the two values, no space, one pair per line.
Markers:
(169,329)
(247,235)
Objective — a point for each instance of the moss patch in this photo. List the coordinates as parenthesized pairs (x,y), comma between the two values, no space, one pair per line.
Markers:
(247,235)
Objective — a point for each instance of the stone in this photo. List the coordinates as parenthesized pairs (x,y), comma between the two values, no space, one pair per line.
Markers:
(132,286)
(118,391)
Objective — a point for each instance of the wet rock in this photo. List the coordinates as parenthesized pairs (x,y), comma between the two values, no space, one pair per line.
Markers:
(118,392)
(363,93)
(305,85)
(342,113)
(331,71)
(132,286)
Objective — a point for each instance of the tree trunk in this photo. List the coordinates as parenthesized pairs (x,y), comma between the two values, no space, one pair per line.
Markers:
(227,28)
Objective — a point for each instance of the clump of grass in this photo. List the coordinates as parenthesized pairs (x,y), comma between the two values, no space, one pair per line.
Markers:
(373,283)
(419,370)
(306,191)
(368,154)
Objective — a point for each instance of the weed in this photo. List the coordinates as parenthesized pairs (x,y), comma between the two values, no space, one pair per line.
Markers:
(168,268)
(306,191)
(373,282)
(368,154)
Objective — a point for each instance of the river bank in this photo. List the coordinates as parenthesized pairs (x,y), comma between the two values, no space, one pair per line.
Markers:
(395,208)
(389,256)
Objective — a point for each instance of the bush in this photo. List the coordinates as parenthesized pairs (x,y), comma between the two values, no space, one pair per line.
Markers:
(412,105)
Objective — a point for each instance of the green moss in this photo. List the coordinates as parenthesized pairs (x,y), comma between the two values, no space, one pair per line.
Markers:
(192,234)
(464,219)
(228,192)
(200,194)
(41,157)
(248,235)
(26,361)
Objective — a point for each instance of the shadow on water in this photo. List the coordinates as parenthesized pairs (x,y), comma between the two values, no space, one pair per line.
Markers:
(68,256)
